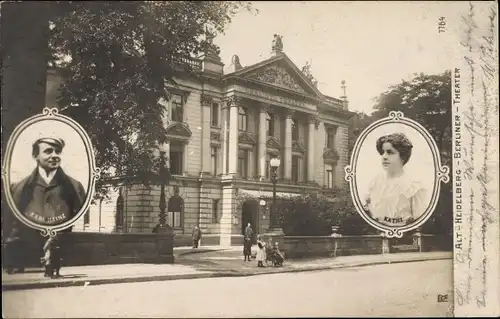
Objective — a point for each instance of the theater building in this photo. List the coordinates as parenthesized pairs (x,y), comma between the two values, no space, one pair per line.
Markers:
(223,130)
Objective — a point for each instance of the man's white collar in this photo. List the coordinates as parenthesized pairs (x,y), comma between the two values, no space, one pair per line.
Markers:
(46,177)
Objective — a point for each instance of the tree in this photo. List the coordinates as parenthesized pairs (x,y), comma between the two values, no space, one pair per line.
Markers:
(117,58)
(425,99)
(314,214)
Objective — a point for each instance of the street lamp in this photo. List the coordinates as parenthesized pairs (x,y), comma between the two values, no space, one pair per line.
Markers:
(164,149)
(275,164)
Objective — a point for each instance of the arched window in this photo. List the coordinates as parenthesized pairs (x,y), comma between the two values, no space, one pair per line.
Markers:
(242,119)
(269,124)
(119,209)
(175,212)
(295,130)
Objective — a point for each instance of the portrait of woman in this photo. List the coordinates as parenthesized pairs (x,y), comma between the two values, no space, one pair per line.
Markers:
(393,197)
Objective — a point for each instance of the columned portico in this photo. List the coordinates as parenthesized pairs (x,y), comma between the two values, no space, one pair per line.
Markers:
(310,148)
(233,103)
(261,151)
(287,163)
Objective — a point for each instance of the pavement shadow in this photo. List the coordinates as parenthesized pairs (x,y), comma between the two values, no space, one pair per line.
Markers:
(73,276)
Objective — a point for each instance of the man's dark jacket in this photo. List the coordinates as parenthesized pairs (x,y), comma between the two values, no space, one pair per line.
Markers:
(72,190)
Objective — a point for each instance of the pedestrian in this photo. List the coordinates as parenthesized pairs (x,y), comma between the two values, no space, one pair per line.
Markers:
(52,257)
(247,242)
(196,236)
(15,248)
(261,251)
(278,256)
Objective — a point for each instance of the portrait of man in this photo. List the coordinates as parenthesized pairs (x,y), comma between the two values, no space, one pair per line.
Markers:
(48,196)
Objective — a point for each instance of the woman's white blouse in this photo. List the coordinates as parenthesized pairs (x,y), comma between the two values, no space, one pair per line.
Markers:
(393,201)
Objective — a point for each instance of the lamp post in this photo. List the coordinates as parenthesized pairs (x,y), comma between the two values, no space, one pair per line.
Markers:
(164,178)
(275,164)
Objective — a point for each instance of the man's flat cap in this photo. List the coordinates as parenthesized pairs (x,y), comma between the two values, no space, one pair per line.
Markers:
(54,141)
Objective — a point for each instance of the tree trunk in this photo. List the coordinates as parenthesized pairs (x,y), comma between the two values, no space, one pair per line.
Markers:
(24,52)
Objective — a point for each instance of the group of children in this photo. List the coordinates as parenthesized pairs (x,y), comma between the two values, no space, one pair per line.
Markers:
(263,251)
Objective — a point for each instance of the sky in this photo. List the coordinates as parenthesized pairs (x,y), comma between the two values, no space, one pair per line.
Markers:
(370,45)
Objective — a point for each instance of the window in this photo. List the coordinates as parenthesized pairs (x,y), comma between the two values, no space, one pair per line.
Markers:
(177,108)
(295,168)
(215,114)
(175,209)
(214,155)
(215,211)
(329,176)
(86,218)
(119,209)
(295,130)
(176,158)
(269,125)
(330,137)
(242,119)
(243,163)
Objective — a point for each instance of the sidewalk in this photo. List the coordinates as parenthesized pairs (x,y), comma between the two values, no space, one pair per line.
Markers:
(207,262)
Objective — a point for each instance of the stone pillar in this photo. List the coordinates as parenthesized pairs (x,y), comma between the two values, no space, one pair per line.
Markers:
(287,163)
(233,103)
(206,103)
(225,138)
(228,210)
(310,149)
(261,151)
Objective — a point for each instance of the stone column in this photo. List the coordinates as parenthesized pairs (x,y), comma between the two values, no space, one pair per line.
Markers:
(206,103)
(228,210)
(225,137)
(310,149)
(233,103)
(287,163)
(261,151)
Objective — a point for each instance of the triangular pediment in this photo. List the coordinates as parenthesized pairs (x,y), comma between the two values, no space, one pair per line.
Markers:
(179,129)
(273,143)
(279,72)
(298,147)
(246,138)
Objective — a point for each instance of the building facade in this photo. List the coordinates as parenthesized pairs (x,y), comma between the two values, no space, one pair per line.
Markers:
(223,130)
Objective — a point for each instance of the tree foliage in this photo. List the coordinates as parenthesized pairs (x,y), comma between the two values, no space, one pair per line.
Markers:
(314,214)
(117,58)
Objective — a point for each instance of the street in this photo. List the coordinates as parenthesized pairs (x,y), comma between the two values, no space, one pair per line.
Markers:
(403,289)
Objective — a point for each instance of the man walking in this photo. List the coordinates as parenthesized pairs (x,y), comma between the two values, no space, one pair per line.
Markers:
(196,236)
(247,244)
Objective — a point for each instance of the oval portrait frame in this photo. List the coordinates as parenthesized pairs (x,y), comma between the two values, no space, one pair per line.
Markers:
(441,175)
(94,172)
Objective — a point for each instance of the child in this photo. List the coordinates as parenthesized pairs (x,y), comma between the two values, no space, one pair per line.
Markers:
(52,257)
(261,252)
(278,255)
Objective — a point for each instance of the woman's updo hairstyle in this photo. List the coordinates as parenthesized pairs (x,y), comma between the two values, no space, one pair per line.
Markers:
(399,142)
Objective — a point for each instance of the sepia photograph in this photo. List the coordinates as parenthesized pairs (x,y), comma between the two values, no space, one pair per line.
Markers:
(248,159)
(49,172)
(399,190)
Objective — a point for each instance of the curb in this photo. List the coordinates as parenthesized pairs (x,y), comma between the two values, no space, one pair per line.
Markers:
(197,251)
(226,273)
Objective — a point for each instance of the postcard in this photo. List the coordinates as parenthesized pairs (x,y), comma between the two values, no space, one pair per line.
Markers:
(250,159)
